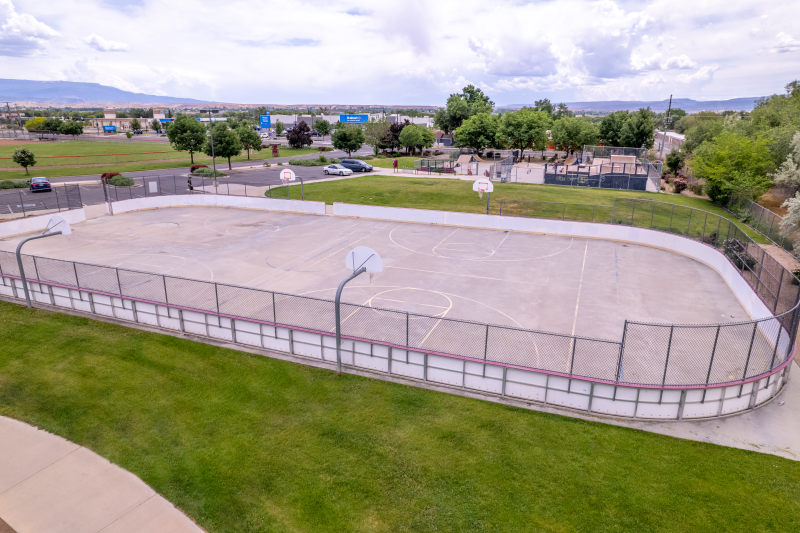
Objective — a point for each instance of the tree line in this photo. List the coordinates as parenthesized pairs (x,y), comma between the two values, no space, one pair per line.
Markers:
(470,116)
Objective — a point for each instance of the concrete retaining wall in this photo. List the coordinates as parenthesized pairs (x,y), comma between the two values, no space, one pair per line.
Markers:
(38,223)
(217,200)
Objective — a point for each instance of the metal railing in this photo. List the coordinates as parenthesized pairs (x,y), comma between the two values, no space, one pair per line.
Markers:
(648,355)
(766,222)
(15,204)
(172,185)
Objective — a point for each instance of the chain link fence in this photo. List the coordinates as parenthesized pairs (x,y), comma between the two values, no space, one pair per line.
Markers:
(766,222)
(648,354)
(172,185)
(16,204)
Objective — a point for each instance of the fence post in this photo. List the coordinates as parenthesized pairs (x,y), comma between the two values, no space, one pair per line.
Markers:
(216,297)
(666,361)
(119,283)
(486,345)
(406,334)
(166,297)
(750,350)
(572,359)
(274,314)
(621,349)
(777,296)
(711,363)
(75,269)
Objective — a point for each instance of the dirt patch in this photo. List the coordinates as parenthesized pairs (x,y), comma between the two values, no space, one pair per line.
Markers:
(12,142)
(787,260)
(773,202)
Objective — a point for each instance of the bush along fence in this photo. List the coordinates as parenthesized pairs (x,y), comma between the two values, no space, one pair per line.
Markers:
(653,371)
(16,204)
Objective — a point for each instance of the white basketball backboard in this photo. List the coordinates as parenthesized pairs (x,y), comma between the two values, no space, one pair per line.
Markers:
(366,257)
(57,223)
(482,185)
(287,174)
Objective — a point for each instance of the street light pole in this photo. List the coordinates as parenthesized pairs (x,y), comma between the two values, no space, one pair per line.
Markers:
(211,131)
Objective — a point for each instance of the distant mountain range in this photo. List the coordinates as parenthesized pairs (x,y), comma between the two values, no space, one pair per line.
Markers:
(687,104)
(77,93)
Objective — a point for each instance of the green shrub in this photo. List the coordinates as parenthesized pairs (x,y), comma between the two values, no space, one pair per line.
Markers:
(21,184)
(207,172)
(121,181)
(323,159)
(380,156)
(6,184)
(308,162)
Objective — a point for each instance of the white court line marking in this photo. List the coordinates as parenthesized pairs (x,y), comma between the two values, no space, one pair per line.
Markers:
(298,258)
(580,284)
(391,238)
(440,242)
(508,234)
(327,256)
(410,303)
(463,275)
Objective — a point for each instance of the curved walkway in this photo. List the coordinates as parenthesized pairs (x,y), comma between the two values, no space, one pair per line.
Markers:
(48,484)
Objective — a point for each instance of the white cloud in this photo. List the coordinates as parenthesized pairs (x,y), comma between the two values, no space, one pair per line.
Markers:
(513,57)
(652,81)
(703,74)
(784,43)
(680,62)
(22,35)
(102,45)
(650,63)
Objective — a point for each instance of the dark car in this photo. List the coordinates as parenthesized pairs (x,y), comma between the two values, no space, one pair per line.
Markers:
(138,132)
(356,165)
(40,184)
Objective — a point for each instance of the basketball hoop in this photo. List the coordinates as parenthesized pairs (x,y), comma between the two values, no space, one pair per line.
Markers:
(287,174)
(481,186)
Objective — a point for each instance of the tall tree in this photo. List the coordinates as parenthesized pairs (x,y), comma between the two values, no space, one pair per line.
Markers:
(394,133)
(279,127)
(323,127)
(461,106)
(788,174)
(733,166)
(348,138)
(156,125)
(524,129)
(562,111)
(250,139)
(544,105)
(410,138)
(376,134)
(135,125)
(611,126)
(226,143)
(71,127)
(187,134)
(24,158)
(573,133)
(478,132)
(300,135)
(639,130)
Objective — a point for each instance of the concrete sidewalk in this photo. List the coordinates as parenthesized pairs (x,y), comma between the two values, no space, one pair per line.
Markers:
(48,484)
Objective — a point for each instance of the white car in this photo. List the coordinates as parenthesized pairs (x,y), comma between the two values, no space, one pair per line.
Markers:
(337,169)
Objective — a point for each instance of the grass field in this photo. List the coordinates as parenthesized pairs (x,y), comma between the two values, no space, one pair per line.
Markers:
(136,158)
(245,443)
(448,194)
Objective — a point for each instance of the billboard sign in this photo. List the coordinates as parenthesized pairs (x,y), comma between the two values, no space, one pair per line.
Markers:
(110,128)
(265,122)
(354,119)
(162,120)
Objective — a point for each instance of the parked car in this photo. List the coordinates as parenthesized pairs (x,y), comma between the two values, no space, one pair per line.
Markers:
(315,133)
(356,165)
(138,132)
(40,184)
(337,169)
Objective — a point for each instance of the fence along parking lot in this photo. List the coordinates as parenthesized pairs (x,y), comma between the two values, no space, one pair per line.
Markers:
(16,204)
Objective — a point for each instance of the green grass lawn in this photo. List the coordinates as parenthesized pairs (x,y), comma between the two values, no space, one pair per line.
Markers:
(448,194)
(245,443)
(137,160)
(387,163)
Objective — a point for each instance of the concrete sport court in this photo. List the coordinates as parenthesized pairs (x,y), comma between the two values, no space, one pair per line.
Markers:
(566,285)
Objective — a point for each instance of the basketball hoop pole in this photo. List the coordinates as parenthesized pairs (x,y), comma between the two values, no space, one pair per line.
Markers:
(22,269)
(338,316)
(488,196)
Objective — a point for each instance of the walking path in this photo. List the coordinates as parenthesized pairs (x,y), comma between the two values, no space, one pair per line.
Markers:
(48,484)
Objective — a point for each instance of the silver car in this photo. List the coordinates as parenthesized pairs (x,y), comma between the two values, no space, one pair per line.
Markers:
(337,169)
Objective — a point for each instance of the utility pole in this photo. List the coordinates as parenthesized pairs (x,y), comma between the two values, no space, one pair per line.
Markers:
(9,119)
(666,124)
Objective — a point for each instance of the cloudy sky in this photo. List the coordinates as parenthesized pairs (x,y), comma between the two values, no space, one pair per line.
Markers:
(408,51)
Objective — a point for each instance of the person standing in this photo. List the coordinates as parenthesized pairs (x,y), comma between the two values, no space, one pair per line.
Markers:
(191,188)
(394,164)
